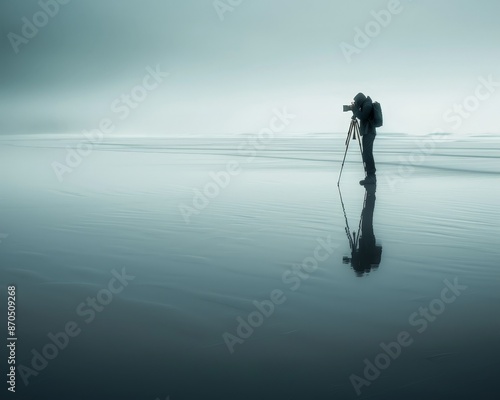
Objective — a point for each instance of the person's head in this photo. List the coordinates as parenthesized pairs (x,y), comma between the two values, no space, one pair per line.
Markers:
(359,99)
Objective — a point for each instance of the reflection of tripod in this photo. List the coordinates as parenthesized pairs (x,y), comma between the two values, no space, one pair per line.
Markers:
(353,239)
(352,133)
(365,253)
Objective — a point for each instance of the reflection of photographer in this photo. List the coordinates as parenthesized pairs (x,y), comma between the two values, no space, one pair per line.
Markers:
(365,253)
(362,108)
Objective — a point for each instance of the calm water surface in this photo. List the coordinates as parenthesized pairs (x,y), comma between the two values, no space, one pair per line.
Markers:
(276,230)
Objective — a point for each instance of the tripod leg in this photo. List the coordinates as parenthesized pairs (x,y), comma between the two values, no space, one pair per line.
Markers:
(349,134)
(342,167)
(345,153)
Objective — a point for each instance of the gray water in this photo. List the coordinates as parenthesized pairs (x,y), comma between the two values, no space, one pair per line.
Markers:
(190,281)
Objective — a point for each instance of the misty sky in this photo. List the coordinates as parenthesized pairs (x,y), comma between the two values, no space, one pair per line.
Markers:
(226,76)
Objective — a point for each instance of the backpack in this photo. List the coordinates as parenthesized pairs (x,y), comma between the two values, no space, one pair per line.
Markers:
(378,119)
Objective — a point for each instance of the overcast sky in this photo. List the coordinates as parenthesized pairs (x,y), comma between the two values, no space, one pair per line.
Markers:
(228,69)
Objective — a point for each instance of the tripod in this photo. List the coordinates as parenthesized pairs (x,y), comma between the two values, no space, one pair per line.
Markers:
(353,238)
(365,253)
(352,133)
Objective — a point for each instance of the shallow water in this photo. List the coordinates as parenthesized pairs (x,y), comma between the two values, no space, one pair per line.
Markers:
(193,279)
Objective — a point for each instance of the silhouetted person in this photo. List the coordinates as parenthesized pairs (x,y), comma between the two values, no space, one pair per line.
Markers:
(365,254)
(362,108)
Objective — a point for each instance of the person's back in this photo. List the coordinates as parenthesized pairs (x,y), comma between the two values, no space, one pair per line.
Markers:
(362,108)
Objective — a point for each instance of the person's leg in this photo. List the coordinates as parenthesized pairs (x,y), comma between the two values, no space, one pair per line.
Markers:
(368,154)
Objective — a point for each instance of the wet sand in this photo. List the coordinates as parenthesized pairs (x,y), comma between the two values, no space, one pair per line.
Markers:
(208,268)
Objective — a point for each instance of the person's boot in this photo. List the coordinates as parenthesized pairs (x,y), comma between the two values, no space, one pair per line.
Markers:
(369,180)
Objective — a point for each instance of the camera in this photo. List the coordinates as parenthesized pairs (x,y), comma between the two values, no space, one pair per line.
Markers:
(347,108)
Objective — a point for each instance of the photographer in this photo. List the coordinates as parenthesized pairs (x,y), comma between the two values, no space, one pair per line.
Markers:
(362,108)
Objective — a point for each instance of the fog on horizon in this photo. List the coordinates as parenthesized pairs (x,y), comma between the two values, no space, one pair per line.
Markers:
(230,66)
